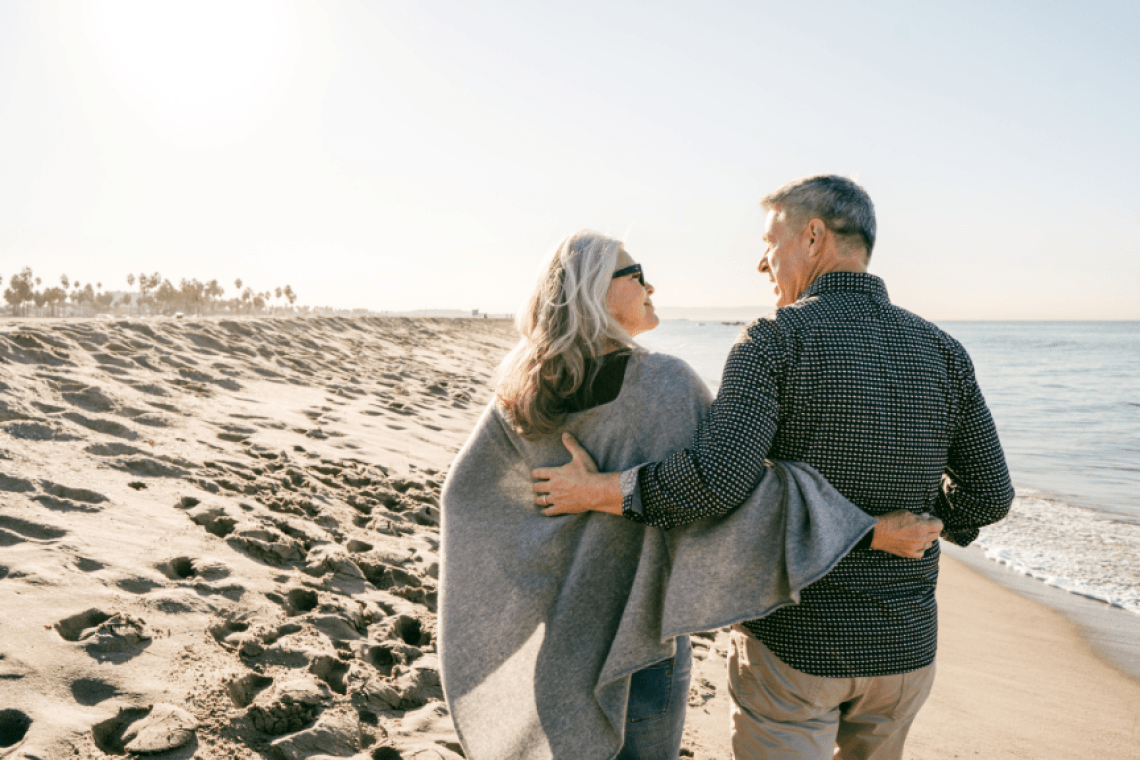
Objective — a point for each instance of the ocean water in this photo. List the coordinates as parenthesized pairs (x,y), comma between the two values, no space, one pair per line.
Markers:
(1065,397)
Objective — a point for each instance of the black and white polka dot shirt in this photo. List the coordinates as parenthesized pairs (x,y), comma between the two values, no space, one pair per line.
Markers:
(886,407)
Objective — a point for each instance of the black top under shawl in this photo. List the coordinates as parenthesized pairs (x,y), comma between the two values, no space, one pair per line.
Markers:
(606,385)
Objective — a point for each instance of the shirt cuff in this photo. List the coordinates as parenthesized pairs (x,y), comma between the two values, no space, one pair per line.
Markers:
(631,507)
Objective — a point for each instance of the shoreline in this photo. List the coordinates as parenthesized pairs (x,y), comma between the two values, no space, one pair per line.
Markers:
(1112,632)
(1017,679)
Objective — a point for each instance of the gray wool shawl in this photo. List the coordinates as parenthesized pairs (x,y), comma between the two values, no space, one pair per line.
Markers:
(543,620)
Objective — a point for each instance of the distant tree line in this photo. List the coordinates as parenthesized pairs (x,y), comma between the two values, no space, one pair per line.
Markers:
(26,297)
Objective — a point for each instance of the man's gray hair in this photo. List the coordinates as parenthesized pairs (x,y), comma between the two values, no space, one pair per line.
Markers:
(838,202)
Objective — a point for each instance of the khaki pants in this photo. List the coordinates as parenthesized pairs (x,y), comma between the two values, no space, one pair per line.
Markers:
(780,713)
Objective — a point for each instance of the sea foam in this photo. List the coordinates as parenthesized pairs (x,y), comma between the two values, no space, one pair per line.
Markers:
(1094,554)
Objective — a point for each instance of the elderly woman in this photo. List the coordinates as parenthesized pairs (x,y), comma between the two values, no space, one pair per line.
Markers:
(565,637)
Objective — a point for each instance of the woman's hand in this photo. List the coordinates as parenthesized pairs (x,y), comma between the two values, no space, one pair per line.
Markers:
(577,486)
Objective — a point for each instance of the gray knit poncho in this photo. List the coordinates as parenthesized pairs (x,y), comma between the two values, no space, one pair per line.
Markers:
(542,620)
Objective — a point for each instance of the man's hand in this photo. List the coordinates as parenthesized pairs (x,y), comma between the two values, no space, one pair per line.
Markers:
(906,534)
(576,486)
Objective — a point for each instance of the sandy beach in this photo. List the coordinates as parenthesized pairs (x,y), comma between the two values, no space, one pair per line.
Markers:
(219,539)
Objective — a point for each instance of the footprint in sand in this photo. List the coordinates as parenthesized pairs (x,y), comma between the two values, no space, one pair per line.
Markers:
(213,519)
(137,585)
(12,669)
(12,410)
(13,530)
(92,399)
(92,691)
(146,731)
(298,601)
(227,630)
(108,427)
(30,348)
(14,726)
(178,569)
(244,689)
(147,467)
(289,706)
(115,636)
(331,670)
(15,485)
(38,431)
(88,565)
(111,449)
(111,363)
(61,383)
(150,388)
(64,499)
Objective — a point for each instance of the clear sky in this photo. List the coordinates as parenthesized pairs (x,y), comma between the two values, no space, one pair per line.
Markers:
(412,155)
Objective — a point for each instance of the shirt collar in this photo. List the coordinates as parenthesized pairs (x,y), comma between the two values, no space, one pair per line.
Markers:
(847,282)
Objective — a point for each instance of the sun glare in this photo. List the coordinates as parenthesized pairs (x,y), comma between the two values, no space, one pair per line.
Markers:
(196,63)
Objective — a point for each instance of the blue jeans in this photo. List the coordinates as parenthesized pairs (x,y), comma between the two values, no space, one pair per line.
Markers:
(655,717)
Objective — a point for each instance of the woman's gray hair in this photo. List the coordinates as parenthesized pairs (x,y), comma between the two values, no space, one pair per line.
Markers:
(563,322)
(838,202)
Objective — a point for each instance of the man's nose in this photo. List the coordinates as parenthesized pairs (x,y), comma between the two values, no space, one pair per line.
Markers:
(763,266)
(648,289)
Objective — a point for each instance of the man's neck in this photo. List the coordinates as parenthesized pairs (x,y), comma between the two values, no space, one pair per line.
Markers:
(847,265)
(836,264)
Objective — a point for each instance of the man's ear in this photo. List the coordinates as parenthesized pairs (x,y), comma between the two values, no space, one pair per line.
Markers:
(816,231)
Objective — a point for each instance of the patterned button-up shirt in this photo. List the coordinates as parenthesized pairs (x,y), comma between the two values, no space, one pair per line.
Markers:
(886,407)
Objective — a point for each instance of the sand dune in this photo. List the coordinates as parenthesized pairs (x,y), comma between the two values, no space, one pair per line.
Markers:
(219,538)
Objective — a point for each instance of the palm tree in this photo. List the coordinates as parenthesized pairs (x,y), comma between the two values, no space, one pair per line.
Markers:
(19,290)
(130,284)
(213,291)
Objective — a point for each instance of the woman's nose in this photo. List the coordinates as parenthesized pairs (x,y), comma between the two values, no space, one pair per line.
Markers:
(648,289)
(762,267)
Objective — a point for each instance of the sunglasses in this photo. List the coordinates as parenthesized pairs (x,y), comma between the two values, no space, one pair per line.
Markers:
(635,269)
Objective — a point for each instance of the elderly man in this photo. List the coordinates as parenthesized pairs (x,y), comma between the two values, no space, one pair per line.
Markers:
(883,404)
